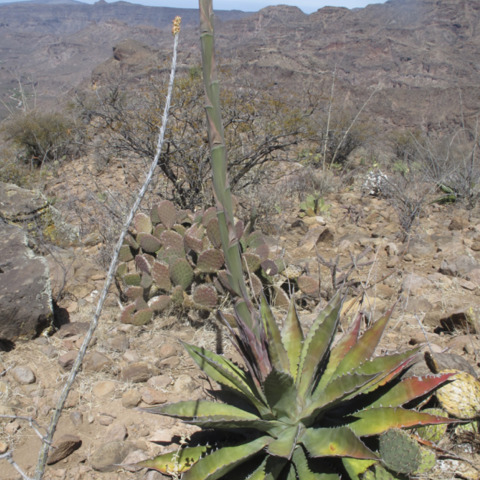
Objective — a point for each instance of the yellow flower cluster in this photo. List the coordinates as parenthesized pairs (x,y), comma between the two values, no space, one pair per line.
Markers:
(176,25)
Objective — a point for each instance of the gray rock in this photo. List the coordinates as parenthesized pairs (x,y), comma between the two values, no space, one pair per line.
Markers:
(414,284)
(137,372)
(116,432)
(108,456)
(458,266)
(131,398)
(96,362)
(67,359)
(25,294)
(63,447)
(23,375)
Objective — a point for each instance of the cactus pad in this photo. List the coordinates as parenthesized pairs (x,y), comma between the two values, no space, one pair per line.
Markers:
(148,242)
(399,451)
(142,317)
(205,296)
(142,223)
(125,254)
(133,279)
(171,239)
(160,303)
(126,314)
(142,264)
(161,276)
(208,215)
(251,262)
(213,233)
(194,238)
(181,273)
(433,433)
(134,292)
(167,213)
(210,261)
(461,397)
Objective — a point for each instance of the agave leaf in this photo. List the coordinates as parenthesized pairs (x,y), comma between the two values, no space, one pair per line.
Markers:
(365,346)
(299,459)
(277,353)
(267,426)
(356,466)
(317,344)
(222,461)
(339,351)
(373,421)
(335,442)
(197,409)
(337,390)
(269,469)
(410,388)
(386,367)
(292,337)
(284,445)
(281,394)
(226,373)
(177,461)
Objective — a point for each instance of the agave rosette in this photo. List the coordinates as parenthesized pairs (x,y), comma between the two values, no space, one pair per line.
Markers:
(304,408)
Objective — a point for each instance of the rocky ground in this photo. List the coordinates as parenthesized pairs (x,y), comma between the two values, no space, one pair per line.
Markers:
(434,280)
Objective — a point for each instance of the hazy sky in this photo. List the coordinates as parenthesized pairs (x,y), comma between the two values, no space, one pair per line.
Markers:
(308,6)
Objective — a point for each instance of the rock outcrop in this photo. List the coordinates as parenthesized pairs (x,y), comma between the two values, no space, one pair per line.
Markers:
(25,296)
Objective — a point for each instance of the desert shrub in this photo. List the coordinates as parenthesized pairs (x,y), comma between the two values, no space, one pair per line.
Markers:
(40,137)
(261,126)
(12,171)
(448,162)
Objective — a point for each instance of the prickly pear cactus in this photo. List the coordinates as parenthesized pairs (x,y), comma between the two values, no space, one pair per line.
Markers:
(174,259)
(399,451)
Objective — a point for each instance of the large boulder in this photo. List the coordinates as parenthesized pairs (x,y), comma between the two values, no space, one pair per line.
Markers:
(32,210)
(25,293)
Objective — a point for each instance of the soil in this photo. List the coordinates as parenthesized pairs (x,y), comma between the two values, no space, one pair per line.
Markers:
(129,368)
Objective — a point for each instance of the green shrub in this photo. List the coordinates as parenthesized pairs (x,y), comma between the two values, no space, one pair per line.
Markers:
(41,137)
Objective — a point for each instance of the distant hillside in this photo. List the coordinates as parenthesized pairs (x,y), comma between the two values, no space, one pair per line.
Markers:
(419,56)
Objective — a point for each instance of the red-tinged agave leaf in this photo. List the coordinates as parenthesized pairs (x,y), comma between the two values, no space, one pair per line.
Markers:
(220,462)
(292,338)
(277,353)
(409,389)
(317,344)
(374,421)
(365,346)
(339,351)
(335,442)
(387,367)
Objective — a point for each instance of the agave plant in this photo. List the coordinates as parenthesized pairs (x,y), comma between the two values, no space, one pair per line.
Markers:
(302,407)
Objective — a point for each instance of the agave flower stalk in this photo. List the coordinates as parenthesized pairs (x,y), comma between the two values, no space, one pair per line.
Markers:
(218,151)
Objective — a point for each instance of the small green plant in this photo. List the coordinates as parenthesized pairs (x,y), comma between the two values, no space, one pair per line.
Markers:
(313,205)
